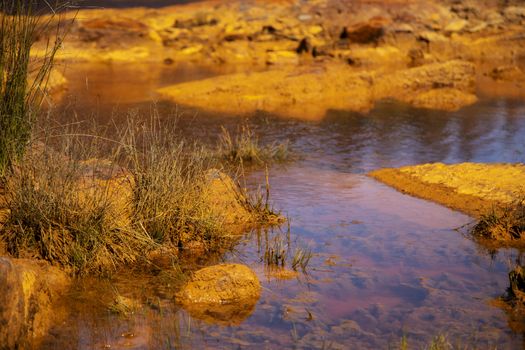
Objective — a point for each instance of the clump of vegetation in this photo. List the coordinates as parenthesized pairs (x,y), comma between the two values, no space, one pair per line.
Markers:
(275,253)
(169,177)
(60,211)
(258,203)
(278,251)
(506,224)
(301,258)
(516,290)
(438,342)
(71,208)
(19,100)
(245,149)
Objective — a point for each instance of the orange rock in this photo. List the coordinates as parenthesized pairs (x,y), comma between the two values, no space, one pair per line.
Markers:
(224,294)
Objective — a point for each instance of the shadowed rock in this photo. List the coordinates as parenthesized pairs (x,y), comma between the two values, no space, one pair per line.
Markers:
(28,292)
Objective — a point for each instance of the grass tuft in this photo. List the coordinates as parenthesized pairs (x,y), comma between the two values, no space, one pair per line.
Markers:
(277,251)
(244,148)
(301,258)
(60,211)
(507,224)
(168,199)
(19,100)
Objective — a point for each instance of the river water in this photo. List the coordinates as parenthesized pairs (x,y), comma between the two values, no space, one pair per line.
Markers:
(385,265)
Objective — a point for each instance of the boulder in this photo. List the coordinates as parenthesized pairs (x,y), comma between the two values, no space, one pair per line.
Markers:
(104,181)
(224,294)
(365,32)
(56,81)
(29,291)
(224,198)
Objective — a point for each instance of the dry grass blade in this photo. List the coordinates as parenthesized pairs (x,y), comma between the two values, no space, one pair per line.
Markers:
(245,149)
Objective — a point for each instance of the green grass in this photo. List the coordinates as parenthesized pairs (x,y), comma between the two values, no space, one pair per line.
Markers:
(20,99)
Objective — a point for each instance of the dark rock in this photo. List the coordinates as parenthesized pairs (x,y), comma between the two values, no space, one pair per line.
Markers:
(517,283)
(416,57)
(195,22)
(269,29)
(304,46)
(365,32)
(465,10)
(234,37)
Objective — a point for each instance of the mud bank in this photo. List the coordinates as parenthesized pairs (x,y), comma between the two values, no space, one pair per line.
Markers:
(315,56)
(472,188)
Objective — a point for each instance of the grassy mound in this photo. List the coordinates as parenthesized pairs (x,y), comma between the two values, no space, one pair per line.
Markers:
(152,192)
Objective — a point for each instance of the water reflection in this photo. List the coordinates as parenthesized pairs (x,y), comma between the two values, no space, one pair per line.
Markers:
(386,264)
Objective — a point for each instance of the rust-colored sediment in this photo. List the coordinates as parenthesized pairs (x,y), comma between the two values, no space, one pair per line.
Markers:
(472,188)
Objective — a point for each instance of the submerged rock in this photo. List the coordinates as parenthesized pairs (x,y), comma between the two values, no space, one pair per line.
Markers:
(224,294)
(28,293)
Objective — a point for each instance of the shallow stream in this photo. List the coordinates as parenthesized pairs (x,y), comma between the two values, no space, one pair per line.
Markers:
(385,265)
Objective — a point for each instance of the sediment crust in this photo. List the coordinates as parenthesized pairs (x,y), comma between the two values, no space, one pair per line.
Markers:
(472,188)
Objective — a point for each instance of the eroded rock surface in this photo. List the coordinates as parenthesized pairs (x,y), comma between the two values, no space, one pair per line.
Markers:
(29,291)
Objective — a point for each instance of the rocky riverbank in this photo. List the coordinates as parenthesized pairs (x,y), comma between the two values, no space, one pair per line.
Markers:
(316,55)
